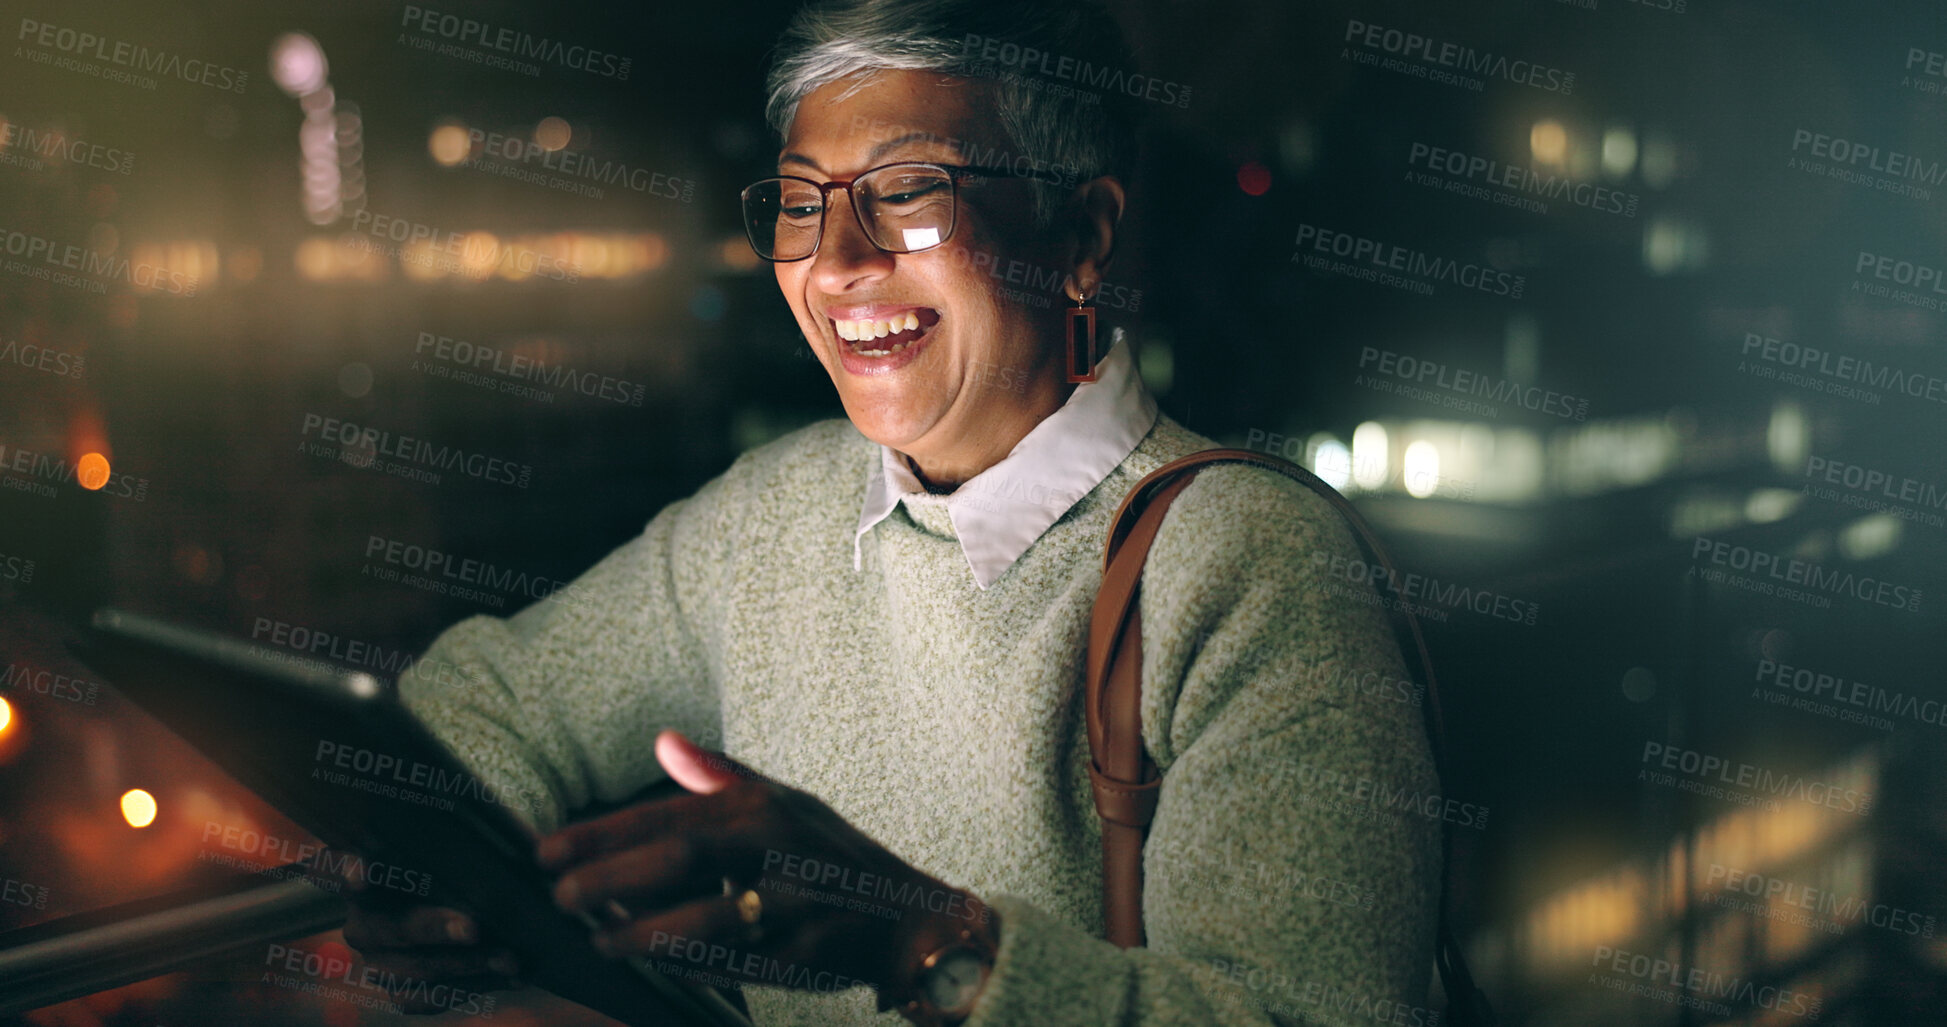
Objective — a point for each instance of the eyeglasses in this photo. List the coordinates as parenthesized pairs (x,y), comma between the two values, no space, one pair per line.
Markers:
(903,208)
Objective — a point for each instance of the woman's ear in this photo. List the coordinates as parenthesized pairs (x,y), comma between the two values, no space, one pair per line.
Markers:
(1092,215)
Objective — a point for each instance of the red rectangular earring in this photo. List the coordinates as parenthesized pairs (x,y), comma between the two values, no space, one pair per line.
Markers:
(1081,366)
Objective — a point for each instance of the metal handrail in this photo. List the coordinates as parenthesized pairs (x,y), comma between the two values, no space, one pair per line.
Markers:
(107,948)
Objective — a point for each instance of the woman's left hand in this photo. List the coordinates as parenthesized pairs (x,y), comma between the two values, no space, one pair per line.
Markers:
(833,908)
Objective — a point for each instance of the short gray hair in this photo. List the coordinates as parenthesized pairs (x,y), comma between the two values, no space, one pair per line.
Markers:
(1081,134)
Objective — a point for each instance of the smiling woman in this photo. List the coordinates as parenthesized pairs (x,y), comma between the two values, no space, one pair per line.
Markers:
(898,264)
(884,616)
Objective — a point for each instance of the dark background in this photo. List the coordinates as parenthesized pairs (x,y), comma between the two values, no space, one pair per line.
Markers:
(1593,522)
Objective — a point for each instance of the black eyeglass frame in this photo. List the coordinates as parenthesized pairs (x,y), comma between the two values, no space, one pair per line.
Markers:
(954,173)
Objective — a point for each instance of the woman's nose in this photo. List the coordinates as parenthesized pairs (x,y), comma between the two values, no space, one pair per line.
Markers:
(845,254)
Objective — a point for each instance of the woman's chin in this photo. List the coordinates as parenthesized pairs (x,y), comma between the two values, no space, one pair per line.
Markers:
(892,426)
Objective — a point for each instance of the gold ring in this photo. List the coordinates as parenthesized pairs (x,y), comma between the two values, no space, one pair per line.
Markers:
(750,908)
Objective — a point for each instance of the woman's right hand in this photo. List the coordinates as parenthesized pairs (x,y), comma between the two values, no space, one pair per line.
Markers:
(408,941)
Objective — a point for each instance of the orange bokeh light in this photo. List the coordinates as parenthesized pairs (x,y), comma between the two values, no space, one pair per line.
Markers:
(138,807)
(91,471)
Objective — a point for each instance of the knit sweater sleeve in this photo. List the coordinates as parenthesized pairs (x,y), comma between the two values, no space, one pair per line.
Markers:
(1286,880)
(558,705)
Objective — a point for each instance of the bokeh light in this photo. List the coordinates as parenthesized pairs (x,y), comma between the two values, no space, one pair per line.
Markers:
(449,144)
(1254,178)
(138,808)
(91,471)
(1548,140)
(552,134)
(297,63)
(1422,468)
(1371,455)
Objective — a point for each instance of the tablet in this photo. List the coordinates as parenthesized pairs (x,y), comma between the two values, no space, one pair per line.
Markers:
(336,752)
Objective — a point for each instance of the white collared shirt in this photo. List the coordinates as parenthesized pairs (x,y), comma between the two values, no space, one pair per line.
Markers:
(998,513)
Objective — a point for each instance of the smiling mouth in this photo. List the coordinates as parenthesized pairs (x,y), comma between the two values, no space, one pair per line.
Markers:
(883,337)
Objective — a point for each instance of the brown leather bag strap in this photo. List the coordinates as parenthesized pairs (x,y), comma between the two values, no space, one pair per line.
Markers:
(1125,780)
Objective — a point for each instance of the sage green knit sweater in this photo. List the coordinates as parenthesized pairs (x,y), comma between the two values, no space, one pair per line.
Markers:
(1290,876)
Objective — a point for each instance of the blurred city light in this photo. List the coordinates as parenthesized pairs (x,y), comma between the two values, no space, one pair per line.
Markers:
(1618,151)
(322,259)
(1422,469)
(552,134)
(297,64)
(91,471)
(1871,536)
(1629,905)
(1548,141)
(138,807)
(449,143)
(568,256)
(1371,459)
(1616,453)
(1254,178)
(1765,506)
(331,140)
(1789,436)
(1672,244)
(1332,462)
(177,267)
(735,253)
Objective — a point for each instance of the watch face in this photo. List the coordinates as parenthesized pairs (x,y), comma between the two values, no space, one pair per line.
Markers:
(954,980)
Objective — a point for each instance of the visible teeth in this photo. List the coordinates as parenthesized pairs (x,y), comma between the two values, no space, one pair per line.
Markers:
(863,330)
(866,330)
(896,347)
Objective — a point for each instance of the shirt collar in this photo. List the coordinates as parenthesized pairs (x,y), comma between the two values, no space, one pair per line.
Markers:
(1000,512)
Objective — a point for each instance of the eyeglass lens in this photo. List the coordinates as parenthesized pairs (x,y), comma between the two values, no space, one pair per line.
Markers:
(903,209)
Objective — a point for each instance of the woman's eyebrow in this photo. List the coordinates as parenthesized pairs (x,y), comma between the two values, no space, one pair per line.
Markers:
(923,137)
(799,158)
(883,148)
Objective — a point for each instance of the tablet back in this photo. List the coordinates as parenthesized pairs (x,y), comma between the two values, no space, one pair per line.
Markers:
(336,752)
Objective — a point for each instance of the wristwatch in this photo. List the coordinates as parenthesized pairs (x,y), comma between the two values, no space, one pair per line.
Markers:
(948,979)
